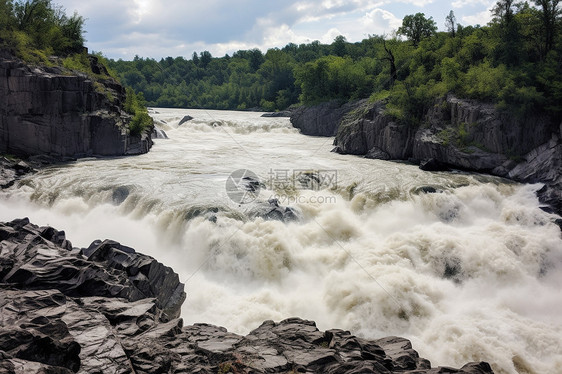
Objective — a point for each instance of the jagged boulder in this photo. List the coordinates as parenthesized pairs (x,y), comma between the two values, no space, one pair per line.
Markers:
(41,258)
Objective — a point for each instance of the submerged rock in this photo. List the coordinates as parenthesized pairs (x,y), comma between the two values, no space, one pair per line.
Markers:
(108,309)
(184,120)
(284,113)
(271,210)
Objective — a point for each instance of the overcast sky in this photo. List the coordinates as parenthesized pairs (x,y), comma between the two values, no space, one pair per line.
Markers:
(161,28)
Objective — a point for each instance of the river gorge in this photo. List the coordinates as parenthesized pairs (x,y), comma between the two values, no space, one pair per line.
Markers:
(467,266)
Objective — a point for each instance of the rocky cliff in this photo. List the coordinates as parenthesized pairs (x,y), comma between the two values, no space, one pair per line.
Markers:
(108,309)
(322,119)
(62,113)
(460,134)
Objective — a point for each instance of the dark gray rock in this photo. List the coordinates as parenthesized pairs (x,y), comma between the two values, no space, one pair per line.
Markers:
(322,119)
(61,113)
(184,120)
(377,154)
(42,258)
(108,309)
(433,165)
(271,210)
(368,131)
(158,133)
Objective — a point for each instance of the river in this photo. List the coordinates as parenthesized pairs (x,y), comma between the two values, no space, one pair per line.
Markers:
(466,266)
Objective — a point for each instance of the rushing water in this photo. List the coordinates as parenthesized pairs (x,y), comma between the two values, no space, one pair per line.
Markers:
(466,266)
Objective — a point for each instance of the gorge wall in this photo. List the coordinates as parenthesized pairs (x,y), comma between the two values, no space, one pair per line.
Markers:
(61,113)
(455,133)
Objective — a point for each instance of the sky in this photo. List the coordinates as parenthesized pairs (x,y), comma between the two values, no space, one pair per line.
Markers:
(162,28)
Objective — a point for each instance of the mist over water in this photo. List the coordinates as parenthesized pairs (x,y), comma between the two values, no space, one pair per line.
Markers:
(470,272)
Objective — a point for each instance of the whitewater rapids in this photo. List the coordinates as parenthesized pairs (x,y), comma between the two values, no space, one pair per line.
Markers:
(466,266)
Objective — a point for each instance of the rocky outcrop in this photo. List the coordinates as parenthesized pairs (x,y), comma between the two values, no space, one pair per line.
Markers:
(322,119)
(12,170)
(54,111)
(108,309)
(462,134)
(367,130)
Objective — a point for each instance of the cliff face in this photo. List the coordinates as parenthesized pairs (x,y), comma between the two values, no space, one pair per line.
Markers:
(320,120)
(52,111)
(460,134)
(108,309)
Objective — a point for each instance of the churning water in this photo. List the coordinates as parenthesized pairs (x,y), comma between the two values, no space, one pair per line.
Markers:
(466,266)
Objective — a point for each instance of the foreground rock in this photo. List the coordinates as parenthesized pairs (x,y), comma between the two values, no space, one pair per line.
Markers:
(108,309)
(62,113)
(457,133)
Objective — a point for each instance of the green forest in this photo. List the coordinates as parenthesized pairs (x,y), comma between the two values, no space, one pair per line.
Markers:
(515,62)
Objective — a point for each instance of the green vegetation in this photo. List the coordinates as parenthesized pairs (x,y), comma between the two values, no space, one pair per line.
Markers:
(416,27)
(514,62)
(36,29)
(136,106)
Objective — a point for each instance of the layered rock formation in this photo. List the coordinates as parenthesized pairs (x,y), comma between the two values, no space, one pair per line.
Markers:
(54,111)
(108,309)
(322,119)
(456,133)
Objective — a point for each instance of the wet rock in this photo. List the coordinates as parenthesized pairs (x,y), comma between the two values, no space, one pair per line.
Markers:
(272,211)
(184,120)
(433,165)
(337,150)
(377,154)
(426,189)
(158,134)
(119,195)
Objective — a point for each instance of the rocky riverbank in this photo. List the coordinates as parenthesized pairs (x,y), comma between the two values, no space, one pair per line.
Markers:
(107,308)
(63,113)
(455,133)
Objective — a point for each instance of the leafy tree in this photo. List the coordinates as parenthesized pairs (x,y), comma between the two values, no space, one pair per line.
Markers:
(451,23)
(195,58)
(339,46)
(503,11)
(549,16)
(416,27)
(205,58)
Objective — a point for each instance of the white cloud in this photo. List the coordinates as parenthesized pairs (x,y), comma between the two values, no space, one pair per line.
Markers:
(380,21)
(470,3)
